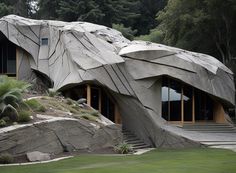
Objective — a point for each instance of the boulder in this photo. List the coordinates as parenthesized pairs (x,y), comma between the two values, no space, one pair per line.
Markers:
(55,137)
(37,156)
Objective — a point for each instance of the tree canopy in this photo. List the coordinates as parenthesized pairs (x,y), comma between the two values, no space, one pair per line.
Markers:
(203,26)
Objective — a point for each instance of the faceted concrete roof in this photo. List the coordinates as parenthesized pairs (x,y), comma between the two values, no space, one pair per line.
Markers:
(78,52)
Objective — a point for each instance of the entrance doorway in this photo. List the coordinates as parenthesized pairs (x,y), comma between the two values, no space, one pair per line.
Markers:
(7,57)
(98,99)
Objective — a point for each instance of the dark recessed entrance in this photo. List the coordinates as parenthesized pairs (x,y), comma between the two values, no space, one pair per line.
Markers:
(97,98)
(7,57)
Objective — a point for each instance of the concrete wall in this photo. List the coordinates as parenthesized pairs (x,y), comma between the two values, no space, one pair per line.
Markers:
(24,71)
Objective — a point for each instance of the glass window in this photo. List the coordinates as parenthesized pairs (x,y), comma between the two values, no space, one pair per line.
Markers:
(175,100)
(171,100)
(7,58)
(188,102)
(108,107)
(11,59)
(95,98)
(203,106)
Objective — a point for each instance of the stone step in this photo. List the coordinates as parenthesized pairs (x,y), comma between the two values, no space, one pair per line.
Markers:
(206,126)
(219,143)
(133,140)
(137,144)
(140,145)
(210,128)
(129,136)
(213,129)
(230,147)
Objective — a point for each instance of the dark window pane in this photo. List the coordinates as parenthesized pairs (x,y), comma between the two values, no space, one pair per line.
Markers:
(209,108)
(7,58)
(108,107)
(199,111)
(1,60)
(95,98)
(175,101)
(4,56)
(11,59)
(203,106)
(187,98)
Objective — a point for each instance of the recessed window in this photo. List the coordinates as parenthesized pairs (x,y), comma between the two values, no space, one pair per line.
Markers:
(7,58)
(44,41)
(181,102)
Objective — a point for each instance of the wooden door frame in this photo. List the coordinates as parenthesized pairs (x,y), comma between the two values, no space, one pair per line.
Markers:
(117,115)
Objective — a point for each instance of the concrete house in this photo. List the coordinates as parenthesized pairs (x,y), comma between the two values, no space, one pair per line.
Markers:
(148,88)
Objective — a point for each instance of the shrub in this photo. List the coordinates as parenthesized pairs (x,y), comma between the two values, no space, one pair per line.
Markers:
(6,119)
(24,116)
(53,93)
(35,105)
(10,112)
(2,123)
(6,158)
(76,107)
(88,117)
(41,108)
(124,148)
(11,92)
(91,112)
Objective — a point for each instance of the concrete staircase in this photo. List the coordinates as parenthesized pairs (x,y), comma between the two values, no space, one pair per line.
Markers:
(210,128)
(218,135)
(132,139)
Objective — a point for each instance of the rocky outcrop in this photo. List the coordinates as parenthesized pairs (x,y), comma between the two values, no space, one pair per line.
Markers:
(55,137)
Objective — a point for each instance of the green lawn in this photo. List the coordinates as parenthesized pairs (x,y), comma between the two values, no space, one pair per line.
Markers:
(157,161)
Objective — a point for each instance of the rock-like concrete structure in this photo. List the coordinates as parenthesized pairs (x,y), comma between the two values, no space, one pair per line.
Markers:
(71,54)
(55,137)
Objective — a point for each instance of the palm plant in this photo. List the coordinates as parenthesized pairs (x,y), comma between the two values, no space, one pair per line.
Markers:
(11,94)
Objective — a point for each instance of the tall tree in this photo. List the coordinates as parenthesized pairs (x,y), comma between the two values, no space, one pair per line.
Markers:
(5,9)
(83,10)
(18,7)
(48,9)
(147,19)
(104,12)
(204,26)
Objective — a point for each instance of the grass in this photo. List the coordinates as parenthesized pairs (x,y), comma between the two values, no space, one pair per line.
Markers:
(62,105)
(24,116)
(69,105)
(157,161)
(35,105)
